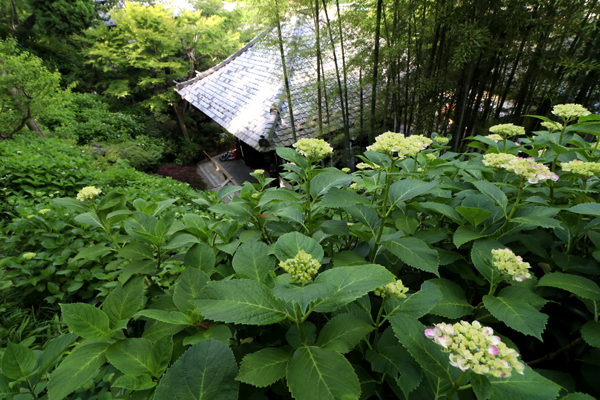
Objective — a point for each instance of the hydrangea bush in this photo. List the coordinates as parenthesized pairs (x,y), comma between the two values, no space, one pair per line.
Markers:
(425,274)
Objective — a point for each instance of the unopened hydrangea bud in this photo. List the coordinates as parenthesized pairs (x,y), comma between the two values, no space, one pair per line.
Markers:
(29,256)
(88,193)
(474,347)
(44,211)
(259,171)
(569,112)
(302,268)
(313,149)
(581,168)
(345,170)
(392,289)
(507,130)
(441,140)
(363,165)
(430,157)
(508,263)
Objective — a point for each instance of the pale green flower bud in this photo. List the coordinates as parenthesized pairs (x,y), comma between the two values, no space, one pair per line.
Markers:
(495,137)
(29,256)
(552,126)
(441,140)
(44,211)
(581,168)
(508,263)
(313,149)
(393,289)
(302,268)
(507,130)
(259,171)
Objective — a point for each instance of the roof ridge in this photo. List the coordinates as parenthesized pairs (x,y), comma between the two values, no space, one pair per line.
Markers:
(204,74)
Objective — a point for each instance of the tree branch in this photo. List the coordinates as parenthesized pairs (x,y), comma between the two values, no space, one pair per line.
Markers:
(551,356)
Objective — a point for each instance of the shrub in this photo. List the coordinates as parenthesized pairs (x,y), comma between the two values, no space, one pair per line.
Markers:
(35,170)
(182,174)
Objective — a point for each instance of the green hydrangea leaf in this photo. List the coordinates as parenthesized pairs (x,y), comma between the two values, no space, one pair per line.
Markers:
(342,333)
(264,367)
(517,315)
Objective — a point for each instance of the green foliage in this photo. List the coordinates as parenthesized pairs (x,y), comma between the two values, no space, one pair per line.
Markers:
(26,88)
(175,302)
(62,17)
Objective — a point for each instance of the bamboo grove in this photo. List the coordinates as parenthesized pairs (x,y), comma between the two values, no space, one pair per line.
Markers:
(452,67)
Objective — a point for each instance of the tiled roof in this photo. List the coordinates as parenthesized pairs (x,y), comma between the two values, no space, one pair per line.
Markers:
(245,94)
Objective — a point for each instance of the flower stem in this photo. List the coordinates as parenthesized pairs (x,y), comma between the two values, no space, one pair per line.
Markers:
(377,324)
(456,385)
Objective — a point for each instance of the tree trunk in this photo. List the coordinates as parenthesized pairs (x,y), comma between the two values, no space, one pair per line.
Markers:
(285,74)
(375,70)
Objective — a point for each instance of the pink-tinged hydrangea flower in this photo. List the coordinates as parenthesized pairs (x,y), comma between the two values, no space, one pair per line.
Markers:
(472,346)
(508,263)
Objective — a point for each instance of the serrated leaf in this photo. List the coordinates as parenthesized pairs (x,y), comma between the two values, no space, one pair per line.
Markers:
(227,191)
(289,244)
(543,222)
(86,320)
(54,350)
(324,181)
(591,333)
(136,251)
(281,194)
(314,374)
(352,283)
(206,371)
(586,209)
(264,367)
(525,295)
(89,218)
(303,295)
(18,361)
(365,215)
(180,240)
(416,305)
(529,386)
(453,303)
(138,267)
(187,287)
(130,356)
(464,235)
(517,315)
(124,300)
(342,333)
(90,253)
(202,257)
(577,396)
(240,301)
(415,253)
(492,192)
(481,386)
(76,369)
(156,330)
(160,356)
(253,260)
(578,285)
(6,389)
(220,333)
(169,317)
(336,198)
(409,332)
(134,382)
(443,209)
(475,216)
(407,189)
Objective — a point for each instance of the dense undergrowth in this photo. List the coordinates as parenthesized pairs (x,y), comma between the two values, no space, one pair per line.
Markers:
(343,287)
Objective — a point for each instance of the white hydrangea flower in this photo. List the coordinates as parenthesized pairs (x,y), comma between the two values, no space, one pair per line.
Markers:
(507,130)
(569,112)
(582,168)
(313,149)
(88,193)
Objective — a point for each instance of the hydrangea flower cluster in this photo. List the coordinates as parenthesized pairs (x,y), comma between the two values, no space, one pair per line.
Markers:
(44,211)
(88,193)
(524,168)
(345,170)
(302,267)
(511,264)
(392,289)
(363,165)
(474,347)
(495,137)
(441,140)
(430,157)
(390,143)
(29,256)
(507,130)
(259,171)
(569,112)
(497,160)
(314,149)
(552,126)
(582,168)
